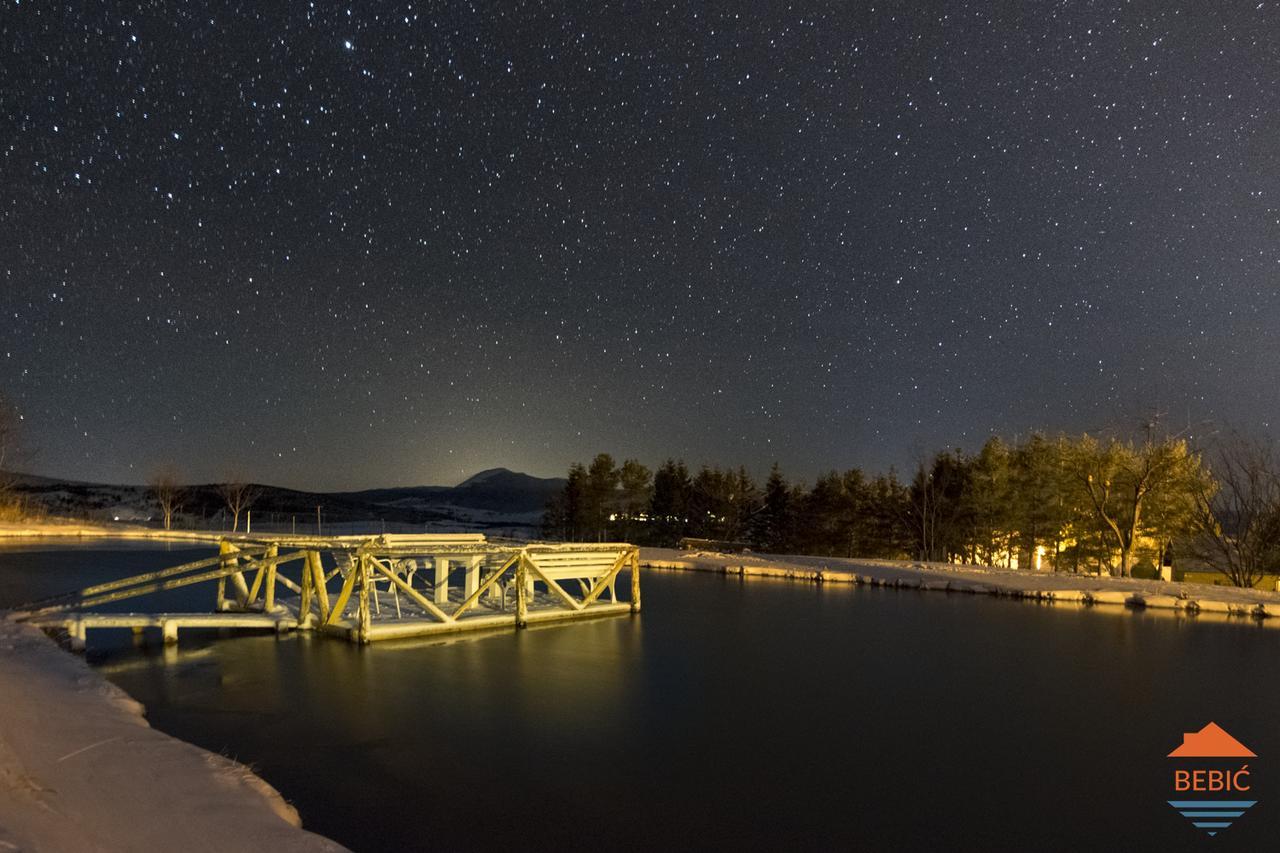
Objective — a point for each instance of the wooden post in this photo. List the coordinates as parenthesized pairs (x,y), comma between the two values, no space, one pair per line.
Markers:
(318,584)
(498,592)
(269,594)
(472,582)
(227,554)
(635,581)
(304,605)
(522,594)
(440,594)
(78,634)
(363,610)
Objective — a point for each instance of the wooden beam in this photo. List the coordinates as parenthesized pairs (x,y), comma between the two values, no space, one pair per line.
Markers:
(522,591)
(304,603)
(343,597)
(605,579)
(362,612)
(285,582)
(69,597)
(422,601)
(269,594)
(554,587)
(257,585)
(156,586)
(318,583)
(471,599)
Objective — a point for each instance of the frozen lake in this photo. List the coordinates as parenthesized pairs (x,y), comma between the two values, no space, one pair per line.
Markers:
(730,714)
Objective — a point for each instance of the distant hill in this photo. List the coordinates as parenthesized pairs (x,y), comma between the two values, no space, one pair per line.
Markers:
(496,489)
(497,500)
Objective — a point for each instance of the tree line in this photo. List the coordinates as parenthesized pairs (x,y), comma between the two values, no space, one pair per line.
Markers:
(1064,503)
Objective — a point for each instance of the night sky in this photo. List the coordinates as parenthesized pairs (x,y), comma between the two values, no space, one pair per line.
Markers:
(373,244)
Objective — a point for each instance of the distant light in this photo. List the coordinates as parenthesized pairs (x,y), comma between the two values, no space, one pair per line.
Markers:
(348,45)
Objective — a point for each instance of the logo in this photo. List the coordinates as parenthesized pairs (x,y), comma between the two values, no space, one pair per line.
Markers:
(1215,786)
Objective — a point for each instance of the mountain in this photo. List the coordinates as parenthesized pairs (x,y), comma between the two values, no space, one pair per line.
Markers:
(497,490)
(497,500)
(501,488)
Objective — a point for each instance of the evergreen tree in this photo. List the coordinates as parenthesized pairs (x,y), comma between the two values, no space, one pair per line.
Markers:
(637,489)
(601,494)
(773,523)
(668,511)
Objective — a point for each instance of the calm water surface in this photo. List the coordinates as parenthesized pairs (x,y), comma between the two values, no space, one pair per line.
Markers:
(731,714)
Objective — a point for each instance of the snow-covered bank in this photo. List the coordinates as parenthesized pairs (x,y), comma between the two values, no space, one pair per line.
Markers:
(67,528)
(80,769)
(943,577)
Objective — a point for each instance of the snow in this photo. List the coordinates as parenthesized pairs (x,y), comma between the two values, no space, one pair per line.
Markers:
(80,769)
(982,579)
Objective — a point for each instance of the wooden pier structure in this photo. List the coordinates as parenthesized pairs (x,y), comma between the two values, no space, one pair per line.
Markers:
(366,589)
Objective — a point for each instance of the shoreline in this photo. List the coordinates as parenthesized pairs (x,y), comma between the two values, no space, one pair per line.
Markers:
(63,529)
(82,769)
(1182,597)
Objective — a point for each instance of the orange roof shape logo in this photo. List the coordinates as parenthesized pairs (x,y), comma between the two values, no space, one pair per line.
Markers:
(1211,742)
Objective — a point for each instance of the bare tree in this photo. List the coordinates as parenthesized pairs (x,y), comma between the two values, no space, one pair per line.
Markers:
(167,493)
(1237,518)
(238,496)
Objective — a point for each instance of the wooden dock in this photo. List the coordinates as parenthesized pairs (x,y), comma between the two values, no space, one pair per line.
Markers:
(366,589)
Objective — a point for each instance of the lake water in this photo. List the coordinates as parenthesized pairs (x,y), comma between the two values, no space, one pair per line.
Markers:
(731,714)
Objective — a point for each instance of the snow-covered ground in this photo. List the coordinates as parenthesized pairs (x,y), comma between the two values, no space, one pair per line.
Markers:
(80,769)
(71,529)
(1188,597)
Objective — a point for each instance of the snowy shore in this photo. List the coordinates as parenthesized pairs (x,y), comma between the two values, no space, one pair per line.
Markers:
(80,769)
(1188,598)
(66,529)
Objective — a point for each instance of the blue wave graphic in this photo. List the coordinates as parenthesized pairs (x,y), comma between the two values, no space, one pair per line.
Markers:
(1219,813)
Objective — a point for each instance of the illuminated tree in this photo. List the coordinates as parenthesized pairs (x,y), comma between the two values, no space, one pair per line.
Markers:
(238,496)
(1122,480)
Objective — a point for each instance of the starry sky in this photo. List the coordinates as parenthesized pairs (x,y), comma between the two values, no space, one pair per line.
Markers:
(340,246)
